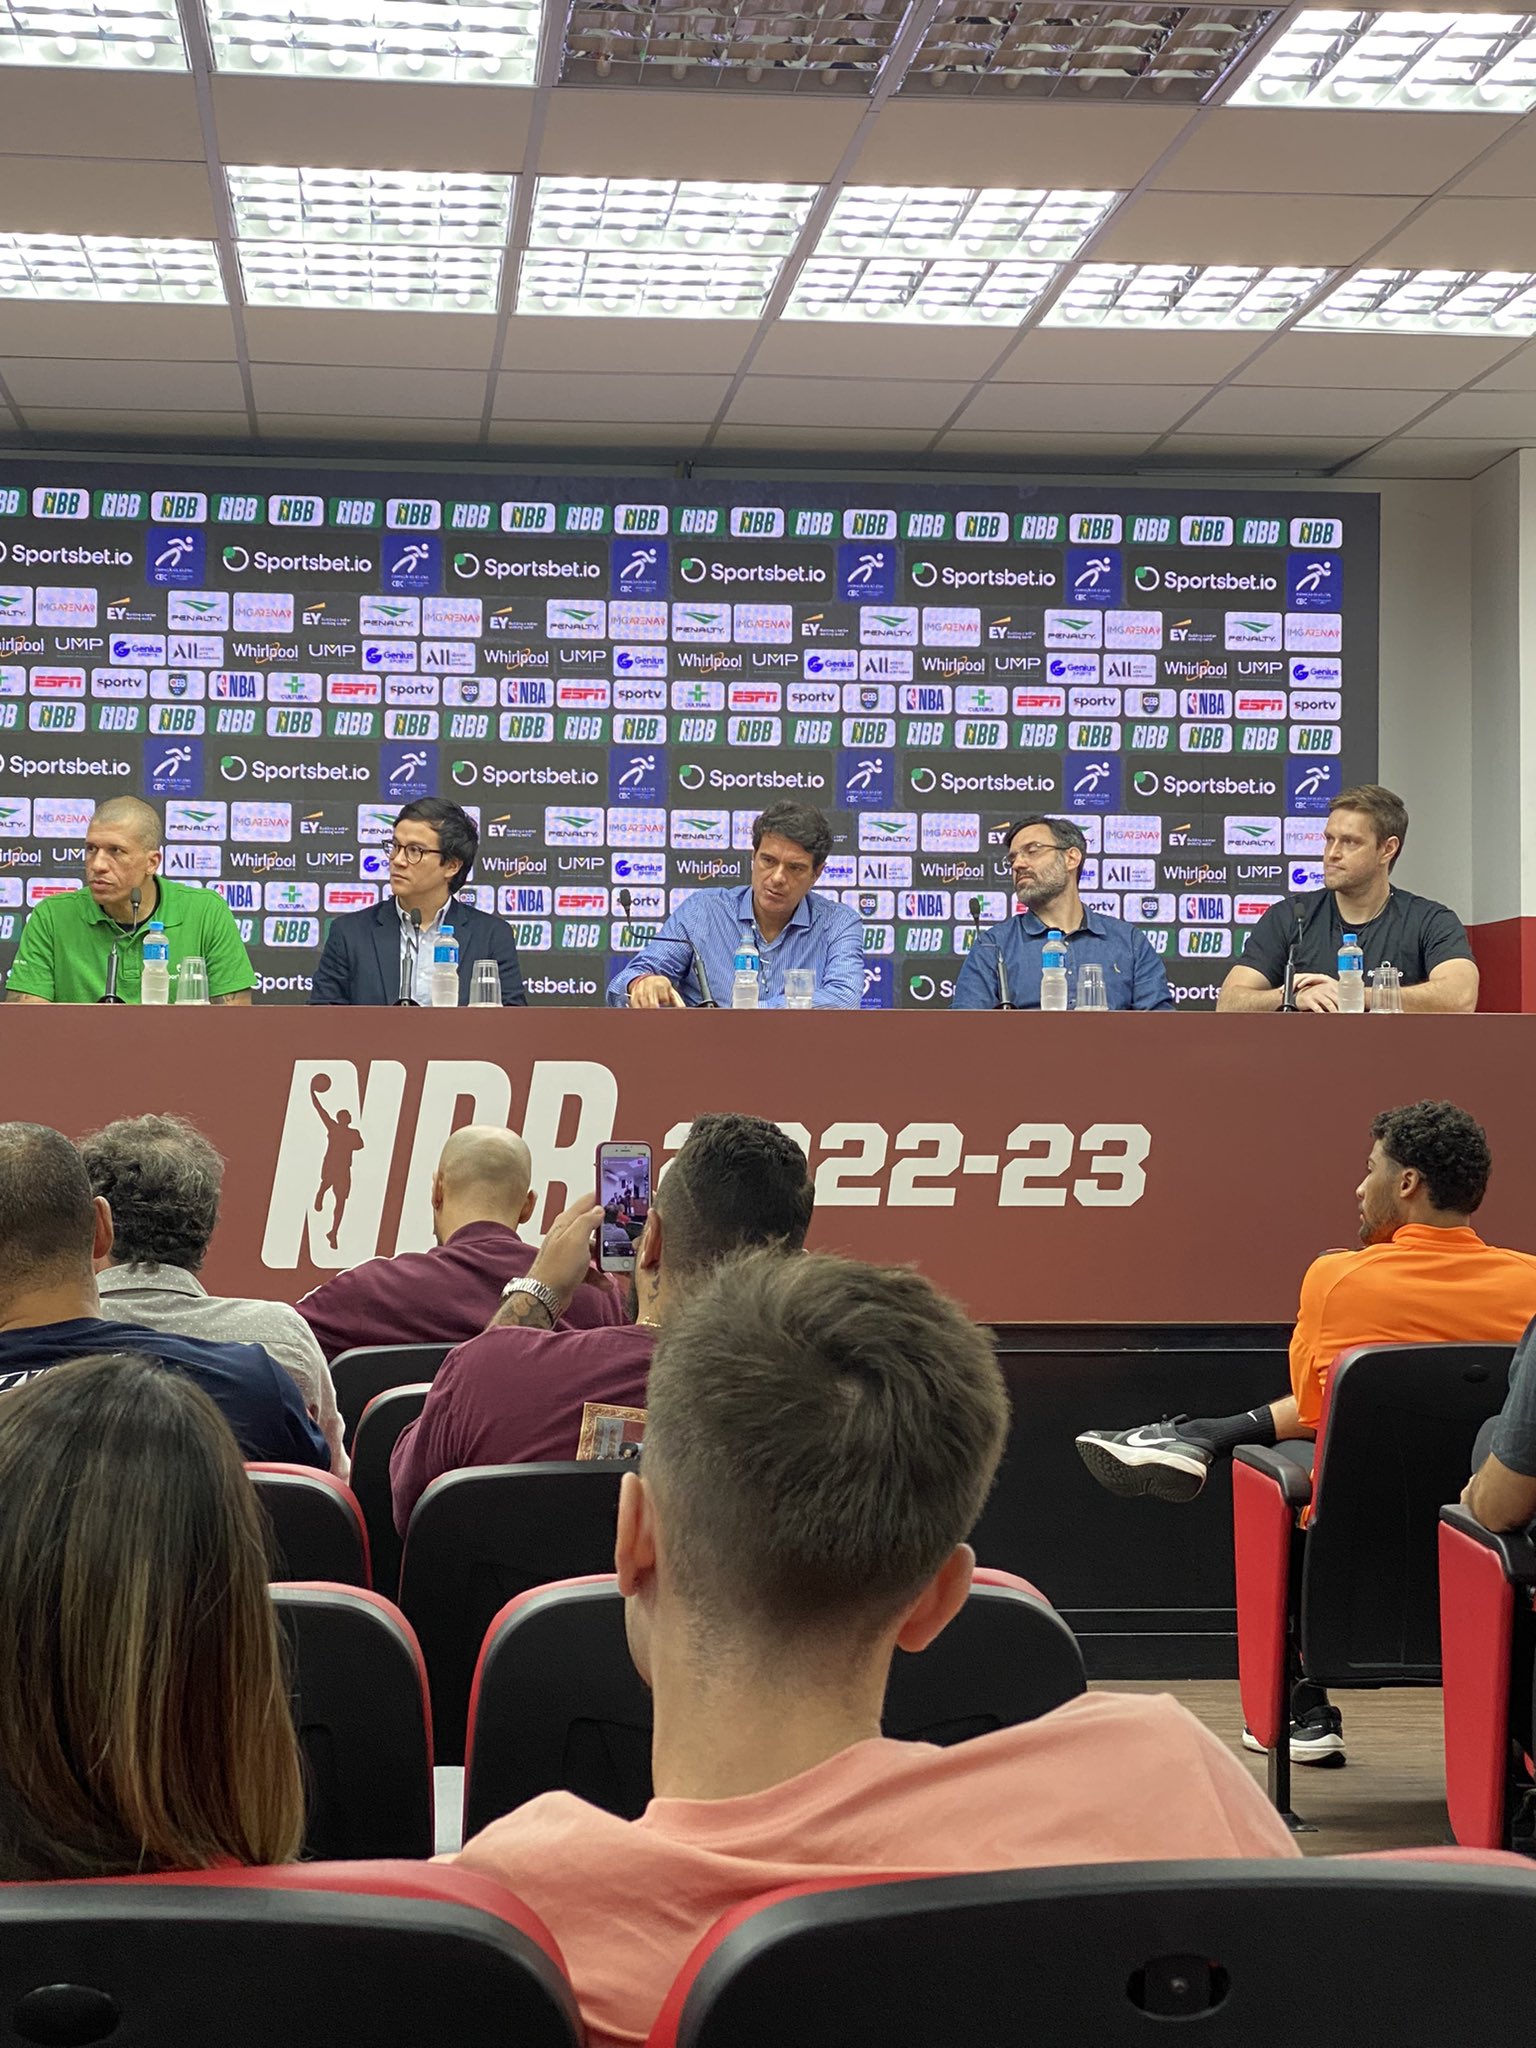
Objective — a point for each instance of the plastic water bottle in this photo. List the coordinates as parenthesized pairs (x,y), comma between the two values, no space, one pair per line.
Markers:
(445,970)
(1351,975)
(155,982)
(1053,972)
(746,985)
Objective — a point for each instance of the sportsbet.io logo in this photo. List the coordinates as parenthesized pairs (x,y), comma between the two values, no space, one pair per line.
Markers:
(1145,783)
(924,781)
(1148,578)
(691,569)
(465,774)
(923,575)
(233,768)
(690,776)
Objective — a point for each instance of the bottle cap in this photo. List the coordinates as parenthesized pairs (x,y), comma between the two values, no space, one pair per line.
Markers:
(1350,939)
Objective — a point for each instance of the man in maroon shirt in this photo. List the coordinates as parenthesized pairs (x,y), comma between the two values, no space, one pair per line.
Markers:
(480,1193)
(515,1394)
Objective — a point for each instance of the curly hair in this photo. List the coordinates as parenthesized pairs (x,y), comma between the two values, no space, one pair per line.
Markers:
(162,1180)
(1448,1147)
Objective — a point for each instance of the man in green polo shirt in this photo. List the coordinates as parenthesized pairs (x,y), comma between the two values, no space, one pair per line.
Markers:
(68,941)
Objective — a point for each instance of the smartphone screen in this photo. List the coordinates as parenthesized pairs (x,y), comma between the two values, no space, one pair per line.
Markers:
(624,1189)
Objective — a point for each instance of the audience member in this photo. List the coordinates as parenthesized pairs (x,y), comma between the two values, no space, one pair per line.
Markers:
(820,1439)
(1424,1276)
(481,1192)
(162,1180)
(144,1719)
(52,1232)
(516,1394)
(1502,1490)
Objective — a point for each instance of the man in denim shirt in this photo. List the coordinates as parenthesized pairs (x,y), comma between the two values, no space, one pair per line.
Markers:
(1046,856)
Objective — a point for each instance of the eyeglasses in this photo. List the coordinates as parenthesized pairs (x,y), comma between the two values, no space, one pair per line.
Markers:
(1034,852)
(413,856)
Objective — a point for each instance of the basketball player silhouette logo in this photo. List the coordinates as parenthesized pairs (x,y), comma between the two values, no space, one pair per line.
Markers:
(343,1141)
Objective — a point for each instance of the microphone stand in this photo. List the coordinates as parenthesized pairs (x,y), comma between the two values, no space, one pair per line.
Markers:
(1004,1000)
(1288,986)
(709,1002)
(406,1000)
(110,994)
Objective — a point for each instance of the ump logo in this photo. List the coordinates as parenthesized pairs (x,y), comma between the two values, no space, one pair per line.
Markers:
(408,771)
(1311,785)
(866,573)
(1315,583)
(639,568)
(1091,782)
(414,564)
(865,781)
(174,554)
(1094,576)
(174,769)
(636,775)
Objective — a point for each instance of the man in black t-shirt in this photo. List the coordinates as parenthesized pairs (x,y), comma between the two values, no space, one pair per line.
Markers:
(1423,940)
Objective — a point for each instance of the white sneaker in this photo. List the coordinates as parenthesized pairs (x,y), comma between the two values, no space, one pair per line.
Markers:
(1153,1459)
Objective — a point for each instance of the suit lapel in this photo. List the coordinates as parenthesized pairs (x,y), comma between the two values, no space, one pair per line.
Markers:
(386,946)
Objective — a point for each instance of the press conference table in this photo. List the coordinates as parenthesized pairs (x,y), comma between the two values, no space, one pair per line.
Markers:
(1046,1169)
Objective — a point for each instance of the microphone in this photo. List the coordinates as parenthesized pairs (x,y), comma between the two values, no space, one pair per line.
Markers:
(709,1002)
(978,905)
(406,999)
(626,903)
(110,995)
(133,907)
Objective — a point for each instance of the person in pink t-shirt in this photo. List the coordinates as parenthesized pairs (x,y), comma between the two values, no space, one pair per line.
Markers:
(821,1435)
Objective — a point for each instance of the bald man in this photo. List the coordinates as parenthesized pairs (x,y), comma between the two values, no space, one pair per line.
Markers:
(481,1191)
(88,944)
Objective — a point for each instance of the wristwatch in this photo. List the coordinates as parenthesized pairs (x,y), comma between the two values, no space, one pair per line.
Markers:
(545,1296)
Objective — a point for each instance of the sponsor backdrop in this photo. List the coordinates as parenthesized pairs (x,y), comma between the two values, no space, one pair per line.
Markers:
(615,676)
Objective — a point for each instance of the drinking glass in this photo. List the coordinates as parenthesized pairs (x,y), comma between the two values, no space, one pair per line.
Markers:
(799,988)
(1090,987)
(1387,991)
(192,980)
(485,986)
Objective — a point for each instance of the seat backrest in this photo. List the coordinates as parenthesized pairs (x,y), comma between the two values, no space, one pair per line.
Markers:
(384,1421)
(477,1539)
(373,1369)
(1114,1955)
(1395,1442)
(312,1956)
(364,1722)
(317,1527)
(557,1704)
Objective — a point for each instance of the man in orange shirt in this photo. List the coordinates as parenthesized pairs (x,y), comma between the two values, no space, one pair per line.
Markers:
(1424,1276)
(820,1438)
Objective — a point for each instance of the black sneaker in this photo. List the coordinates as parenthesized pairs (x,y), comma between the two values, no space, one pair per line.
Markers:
(1153,1459)
(1317,1738)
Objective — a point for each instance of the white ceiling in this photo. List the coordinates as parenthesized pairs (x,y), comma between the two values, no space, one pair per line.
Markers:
(114,153)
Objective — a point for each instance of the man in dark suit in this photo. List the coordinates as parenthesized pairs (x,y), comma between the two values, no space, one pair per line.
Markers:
(373,956)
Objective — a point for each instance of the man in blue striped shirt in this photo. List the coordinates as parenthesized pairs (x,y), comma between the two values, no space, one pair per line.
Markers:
(776,915)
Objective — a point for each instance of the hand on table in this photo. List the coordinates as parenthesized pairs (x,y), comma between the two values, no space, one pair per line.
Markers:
(654,992)
(1316,992)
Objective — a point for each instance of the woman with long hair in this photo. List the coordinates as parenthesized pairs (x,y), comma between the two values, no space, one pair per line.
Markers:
(144,1719)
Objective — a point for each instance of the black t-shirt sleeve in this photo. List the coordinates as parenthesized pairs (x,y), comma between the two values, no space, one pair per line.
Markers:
(1269,942)
(1443,936)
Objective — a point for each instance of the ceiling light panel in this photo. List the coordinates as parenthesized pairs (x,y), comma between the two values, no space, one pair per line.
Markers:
(935,221)
(1174,296)
(378,278)
(370,207)
(119,268)
(653,284)
(1430,302)
(947,292)
(1177,53)
(741,45)
(657,213)
(1480,63)
(76,34)
(440,42)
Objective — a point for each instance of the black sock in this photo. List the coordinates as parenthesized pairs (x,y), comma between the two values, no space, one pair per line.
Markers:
(1221,1434)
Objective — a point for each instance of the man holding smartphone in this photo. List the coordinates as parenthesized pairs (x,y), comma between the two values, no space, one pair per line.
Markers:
(515,1395)
(777,917)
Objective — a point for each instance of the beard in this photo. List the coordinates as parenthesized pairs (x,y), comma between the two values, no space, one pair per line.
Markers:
(1044,888)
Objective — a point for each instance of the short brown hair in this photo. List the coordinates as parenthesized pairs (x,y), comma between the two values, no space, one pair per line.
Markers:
(144,1718)
(820,1435)
(736,1183)
(1384,807)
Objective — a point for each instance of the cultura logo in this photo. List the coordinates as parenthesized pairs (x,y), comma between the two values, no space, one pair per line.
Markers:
(233,768)
(924,780)
(236,559)
(1145,783)
(690,776)
(464,773)
(691,569)
(1148,578)
(924,575)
